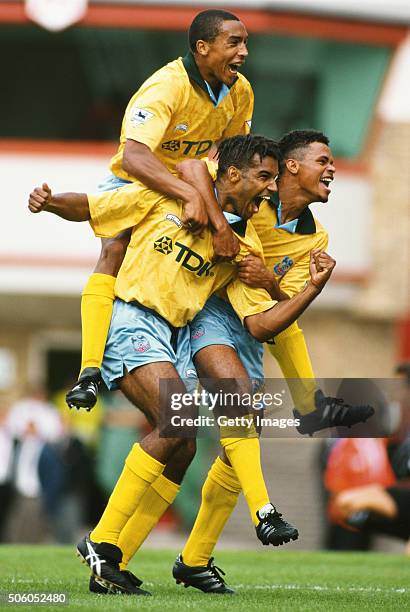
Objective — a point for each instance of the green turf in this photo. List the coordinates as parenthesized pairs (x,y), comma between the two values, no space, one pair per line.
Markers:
(265,580)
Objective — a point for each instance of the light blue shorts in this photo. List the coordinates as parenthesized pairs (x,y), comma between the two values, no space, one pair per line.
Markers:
(139,336)
(111,182)
(218,323)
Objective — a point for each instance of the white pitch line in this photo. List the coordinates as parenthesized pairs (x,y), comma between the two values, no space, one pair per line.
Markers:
(317,587)
(286,587)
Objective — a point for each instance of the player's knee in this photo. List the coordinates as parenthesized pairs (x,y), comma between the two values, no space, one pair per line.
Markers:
(231,388)
(236,390)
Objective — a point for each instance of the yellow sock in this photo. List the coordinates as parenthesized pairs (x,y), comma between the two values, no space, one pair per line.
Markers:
(245,458)
(139,472)
(291,353)
(96,310)
(219,496)
(157,498)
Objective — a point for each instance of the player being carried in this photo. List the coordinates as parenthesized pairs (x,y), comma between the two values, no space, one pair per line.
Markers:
(177,113)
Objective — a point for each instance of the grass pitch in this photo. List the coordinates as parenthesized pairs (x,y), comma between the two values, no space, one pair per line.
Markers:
(265,580)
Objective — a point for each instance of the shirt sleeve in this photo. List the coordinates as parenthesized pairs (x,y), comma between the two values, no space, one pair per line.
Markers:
(296,278)
(247,301)
(242,120)
(116,210)
(150,110)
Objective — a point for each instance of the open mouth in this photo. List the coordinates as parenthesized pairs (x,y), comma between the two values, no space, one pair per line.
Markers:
(233,68)
(257,201)
(253,205)
(326,182)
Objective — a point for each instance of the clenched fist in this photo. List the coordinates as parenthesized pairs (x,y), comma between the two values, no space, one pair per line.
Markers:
(321,267)
(39,198)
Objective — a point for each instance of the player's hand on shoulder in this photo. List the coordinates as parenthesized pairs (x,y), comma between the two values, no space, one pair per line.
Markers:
(253,272)
(226,244)
(195,217)
(321,268)
(39,198)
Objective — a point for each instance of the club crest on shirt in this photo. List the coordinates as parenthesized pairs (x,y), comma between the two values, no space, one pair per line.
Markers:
(283,266)
(140,115)
(140,343)
(174,219)
(197,332)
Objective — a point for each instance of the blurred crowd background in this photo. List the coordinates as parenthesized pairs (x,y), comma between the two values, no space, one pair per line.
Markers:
(58,467)
(343,69)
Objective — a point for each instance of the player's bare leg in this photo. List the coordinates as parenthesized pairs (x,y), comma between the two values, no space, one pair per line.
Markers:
(144,464)
(220,369)
(96,310)
(219,366)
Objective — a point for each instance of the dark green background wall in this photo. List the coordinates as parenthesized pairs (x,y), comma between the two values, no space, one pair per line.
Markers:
(75,85)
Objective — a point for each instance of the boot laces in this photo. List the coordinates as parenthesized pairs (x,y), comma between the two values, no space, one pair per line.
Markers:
(216,571)
(275,519)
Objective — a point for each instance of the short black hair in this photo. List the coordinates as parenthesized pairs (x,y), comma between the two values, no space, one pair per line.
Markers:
(293,143)
(239,151)
(207,25)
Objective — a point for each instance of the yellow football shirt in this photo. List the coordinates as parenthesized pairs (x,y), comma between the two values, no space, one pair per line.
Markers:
(171,271)
(287,254)
(173,114)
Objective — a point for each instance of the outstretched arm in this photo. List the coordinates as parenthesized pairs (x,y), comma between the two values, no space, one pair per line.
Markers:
(69,206)
(195,172)
(264,325)
(151,171)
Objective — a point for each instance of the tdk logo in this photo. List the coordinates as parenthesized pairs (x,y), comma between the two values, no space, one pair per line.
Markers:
(189,147)
(185,256)
(192,261)
(283,266)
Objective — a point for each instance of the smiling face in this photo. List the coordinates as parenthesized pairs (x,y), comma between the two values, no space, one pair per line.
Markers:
(219,60)
(315,171)
(252,185)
